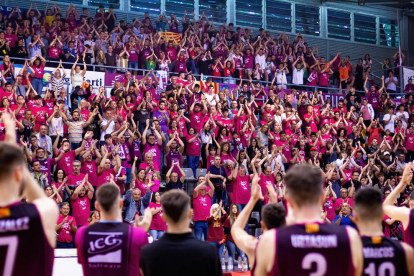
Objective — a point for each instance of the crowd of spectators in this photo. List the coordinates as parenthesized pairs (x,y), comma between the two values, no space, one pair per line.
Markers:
(224,52)
(146,143)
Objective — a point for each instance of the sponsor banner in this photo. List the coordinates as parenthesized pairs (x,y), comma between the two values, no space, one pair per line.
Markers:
(6,10)
(407,73)
(95,79)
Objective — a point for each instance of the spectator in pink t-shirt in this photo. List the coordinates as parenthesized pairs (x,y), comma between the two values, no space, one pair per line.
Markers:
(81,200)
(241,192)
(329,205)
(202,196)
(76,177)
(158,225)
(38,64)
(65,227)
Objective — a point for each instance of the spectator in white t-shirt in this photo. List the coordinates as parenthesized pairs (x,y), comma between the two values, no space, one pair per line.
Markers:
(298,69)
(391,83)
(107,125)
(261,59)
(402,115)
(389,120)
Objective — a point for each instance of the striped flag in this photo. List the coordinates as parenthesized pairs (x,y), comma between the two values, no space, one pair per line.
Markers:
(171,36)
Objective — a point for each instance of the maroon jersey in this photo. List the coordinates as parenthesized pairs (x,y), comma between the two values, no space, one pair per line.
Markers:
(382,254)
(409,233)
(24,248)
(110,248)
(314,249)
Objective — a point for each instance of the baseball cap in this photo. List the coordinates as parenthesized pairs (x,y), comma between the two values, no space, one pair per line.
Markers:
(386,153)
(313,148)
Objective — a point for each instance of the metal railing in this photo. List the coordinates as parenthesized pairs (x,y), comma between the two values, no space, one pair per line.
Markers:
(122,70)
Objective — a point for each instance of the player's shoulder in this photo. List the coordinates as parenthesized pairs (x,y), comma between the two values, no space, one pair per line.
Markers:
(409,251)
(352,233)
(270,235)
(139,236)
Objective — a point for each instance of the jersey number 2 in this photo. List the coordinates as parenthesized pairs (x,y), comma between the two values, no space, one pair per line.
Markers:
(11,242)
(319,259)
(382,269)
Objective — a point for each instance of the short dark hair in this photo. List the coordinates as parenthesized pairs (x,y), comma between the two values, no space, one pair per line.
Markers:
(273,215)
(368,204)
(11,157)
(37,97)
(304,184)
(175,204)
(107,196)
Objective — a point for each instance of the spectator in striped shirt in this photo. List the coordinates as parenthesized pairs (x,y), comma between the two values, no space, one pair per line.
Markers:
(58,80)
(76,125)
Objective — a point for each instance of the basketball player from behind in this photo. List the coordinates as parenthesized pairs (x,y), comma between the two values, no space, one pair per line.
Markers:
(111,247)
(403,214)
(313,248)
(382,255)
(26,229)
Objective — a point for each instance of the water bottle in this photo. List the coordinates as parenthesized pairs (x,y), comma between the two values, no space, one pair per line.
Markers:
(239,263)
(223,264)
(230,264)
(245,264)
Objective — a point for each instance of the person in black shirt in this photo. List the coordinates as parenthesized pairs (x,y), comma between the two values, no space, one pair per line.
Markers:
(178,252)
(356,136)
(204,64)
(171,178)
(353,182)
(110,19)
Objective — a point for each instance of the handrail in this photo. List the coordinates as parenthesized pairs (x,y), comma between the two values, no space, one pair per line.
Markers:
(333,90)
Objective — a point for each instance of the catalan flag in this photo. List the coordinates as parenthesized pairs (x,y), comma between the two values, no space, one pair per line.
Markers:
(171,36)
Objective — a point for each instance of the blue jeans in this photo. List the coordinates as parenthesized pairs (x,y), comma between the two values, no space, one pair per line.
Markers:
(241,206)
(37,85)
(74,146)
(219,247)
(128,175)
(141,128)
(190,64)
(201,228)
(217,80)
(110,70)
(231,247)
(193,163)
(156,234)
(64,245)
(164,144)
(133,64)
(93,199)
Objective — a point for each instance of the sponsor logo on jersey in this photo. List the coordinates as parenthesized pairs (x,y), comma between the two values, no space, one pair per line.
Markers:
(4,212)
(104,248)
(312,228)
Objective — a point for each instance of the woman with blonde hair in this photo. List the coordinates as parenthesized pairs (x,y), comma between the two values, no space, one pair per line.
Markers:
(94,217)
(215,226)
(100,60)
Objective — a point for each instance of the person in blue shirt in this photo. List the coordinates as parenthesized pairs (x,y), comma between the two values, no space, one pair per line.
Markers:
(345,217)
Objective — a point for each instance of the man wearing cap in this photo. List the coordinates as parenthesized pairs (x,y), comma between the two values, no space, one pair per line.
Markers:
(314,157)
(202,196)
(386,158)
